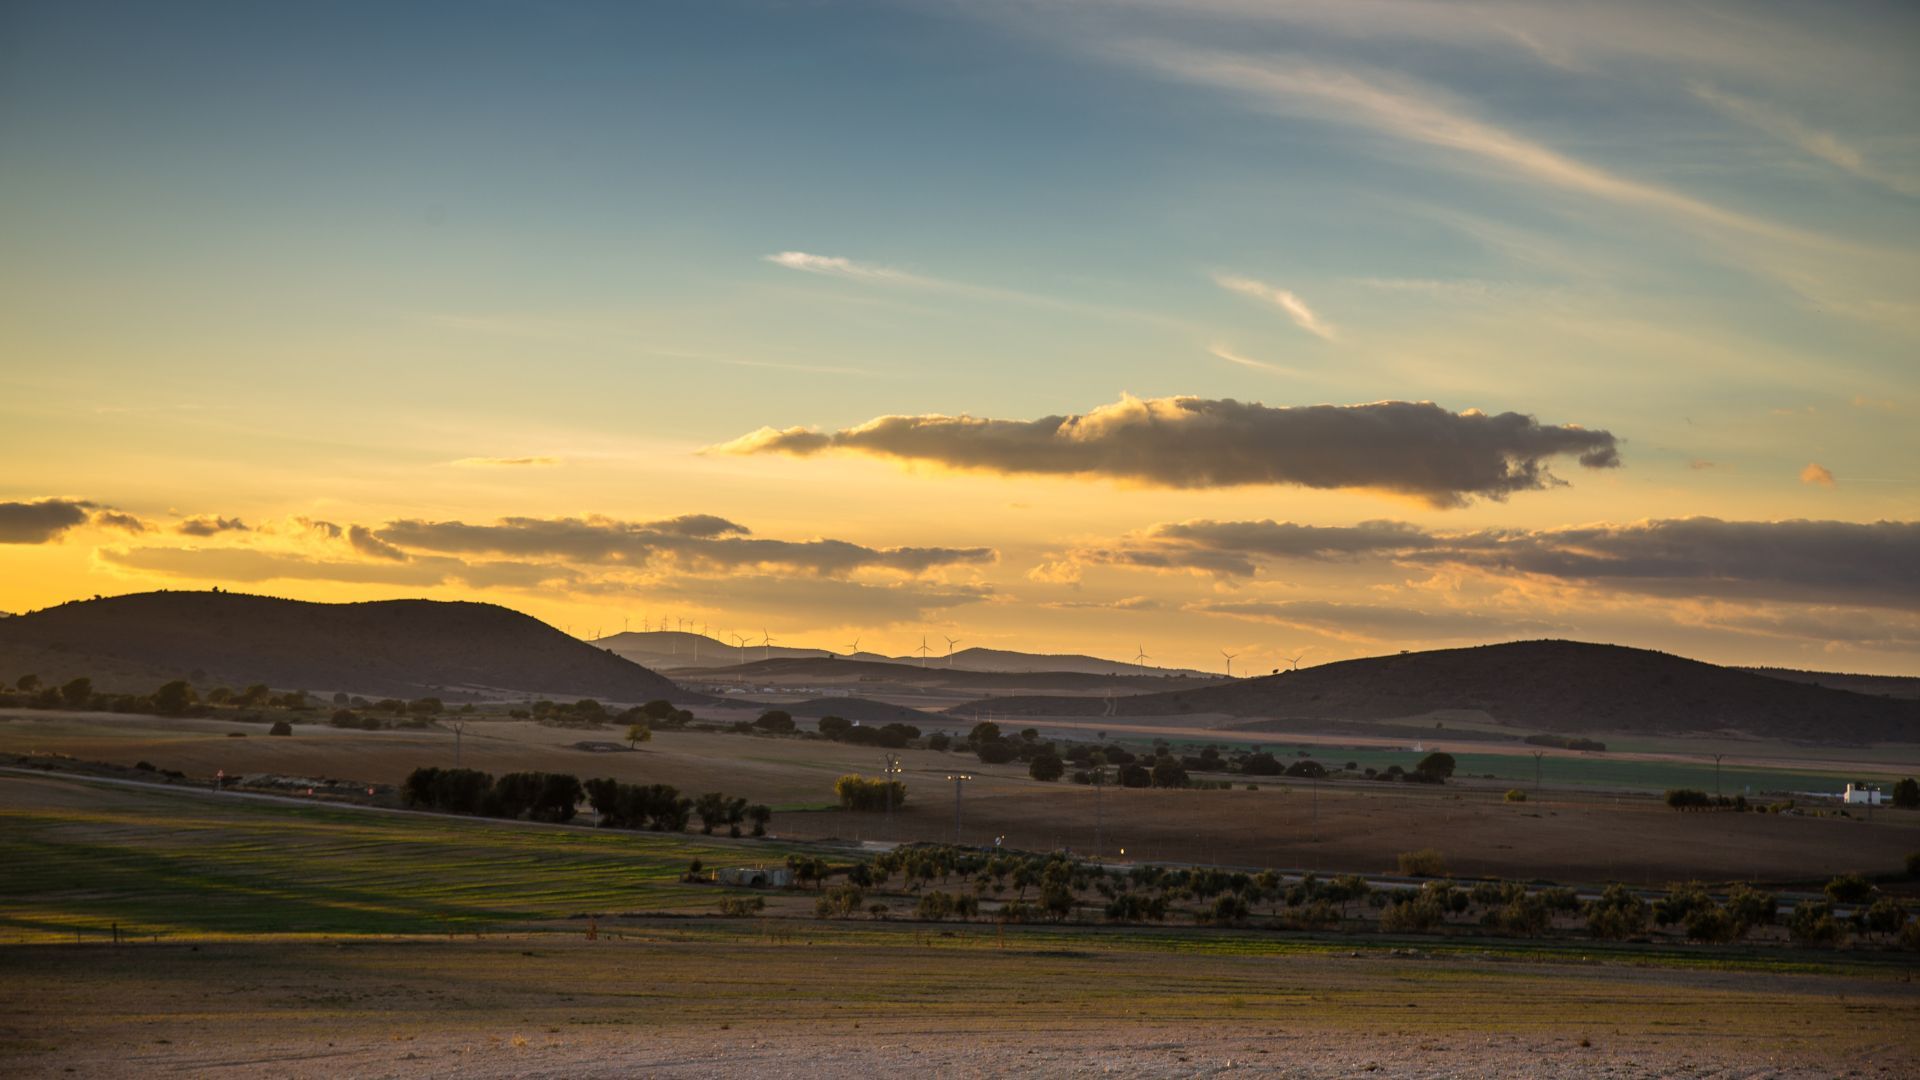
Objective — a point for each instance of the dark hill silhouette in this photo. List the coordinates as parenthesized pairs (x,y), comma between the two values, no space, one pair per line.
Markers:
(1555,686)
(936,674)
(397,648)
(678,650)
(1893,686)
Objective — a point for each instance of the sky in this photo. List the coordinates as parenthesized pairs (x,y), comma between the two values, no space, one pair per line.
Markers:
(1281,328)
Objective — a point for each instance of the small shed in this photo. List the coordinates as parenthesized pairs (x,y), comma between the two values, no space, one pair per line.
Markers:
(756,877)
(1860,795)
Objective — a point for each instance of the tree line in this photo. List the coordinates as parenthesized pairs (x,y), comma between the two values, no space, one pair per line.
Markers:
(555,797)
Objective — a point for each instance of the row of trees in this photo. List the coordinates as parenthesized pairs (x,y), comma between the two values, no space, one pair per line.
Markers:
(555,797)
(868,794)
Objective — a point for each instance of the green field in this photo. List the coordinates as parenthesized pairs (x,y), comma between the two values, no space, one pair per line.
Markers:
(1571,769)
(82,857)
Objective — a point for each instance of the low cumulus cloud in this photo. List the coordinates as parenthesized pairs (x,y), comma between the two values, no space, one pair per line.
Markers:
(698,542)
(1817,474)
(209,525)
(1374,622)
(1409,448)
(41,521)
(1862,563)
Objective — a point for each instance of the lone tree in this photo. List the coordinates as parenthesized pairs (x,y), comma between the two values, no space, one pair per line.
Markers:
(637,734)
(174,698)
(1906,794)
(776,721)
(1436,766)
(1046,766)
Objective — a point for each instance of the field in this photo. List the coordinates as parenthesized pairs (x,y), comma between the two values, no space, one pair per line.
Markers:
(307,941)
(1565,832)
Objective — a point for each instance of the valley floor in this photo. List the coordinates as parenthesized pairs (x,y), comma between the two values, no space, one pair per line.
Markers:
(723,999)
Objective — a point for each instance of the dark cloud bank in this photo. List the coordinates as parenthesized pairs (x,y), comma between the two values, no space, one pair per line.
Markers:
(1409,448)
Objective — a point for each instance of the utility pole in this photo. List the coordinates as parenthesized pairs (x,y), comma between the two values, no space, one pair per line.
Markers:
(1537,755)
(1716,774)
(958,780)
(1099,763)
(893,769)
(459,726)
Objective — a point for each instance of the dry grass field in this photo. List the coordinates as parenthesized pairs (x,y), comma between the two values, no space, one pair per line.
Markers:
(1561,834)
(815,999)
(269,937)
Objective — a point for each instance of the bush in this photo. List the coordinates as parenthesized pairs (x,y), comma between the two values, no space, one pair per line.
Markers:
(995,752)
(1167,773)
(1046,767)
(775,721)
(1427,862)
(1436,766)
(1135,775)
(280,727)
(934,906)
(1260,764)
(1308,770)
(1516,795)
(739,907)
(1618,914)
(839,902)
(834,727)
(1849,889)
(1749,907)
(863,794)
(1812,923)
(1906,794)
(1688,799)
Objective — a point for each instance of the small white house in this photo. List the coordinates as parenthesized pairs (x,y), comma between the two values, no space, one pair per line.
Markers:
(1855,795)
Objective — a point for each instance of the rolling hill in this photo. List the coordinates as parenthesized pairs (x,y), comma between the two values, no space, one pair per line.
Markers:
(388,648)
(674,650)
(935,675)
(1554,686)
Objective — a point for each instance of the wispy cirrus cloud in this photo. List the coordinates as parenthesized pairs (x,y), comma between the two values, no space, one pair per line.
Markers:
(1416,449)
(841,267)
(1824,145)
(540,461)
(1303,316)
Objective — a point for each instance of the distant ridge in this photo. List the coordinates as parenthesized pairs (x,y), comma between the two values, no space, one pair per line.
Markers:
(390,648)
(935,675)
(1558,686)
(675,650)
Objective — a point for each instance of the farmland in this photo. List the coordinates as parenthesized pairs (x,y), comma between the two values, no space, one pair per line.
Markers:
(320,940)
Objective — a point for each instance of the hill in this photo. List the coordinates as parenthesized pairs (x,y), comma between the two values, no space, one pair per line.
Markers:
(1893,686)
(1556,686)
(388,648)
(674,650)
(935,675)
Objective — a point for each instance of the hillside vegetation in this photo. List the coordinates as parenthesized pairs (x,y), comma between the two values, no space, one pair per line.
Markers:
(401,648)
(1563,686)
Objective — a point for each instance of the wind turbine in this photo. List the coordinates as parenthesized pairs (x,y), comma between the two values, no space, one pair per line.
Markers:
(1140,656)
(951,642)
(1293,662)
(767,642)
(853,649)
(1229,656)
(923,650)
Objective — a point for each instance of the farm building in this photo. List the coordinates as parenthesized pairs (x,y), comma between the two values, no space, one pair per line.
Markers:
(1860,795)
(756,877)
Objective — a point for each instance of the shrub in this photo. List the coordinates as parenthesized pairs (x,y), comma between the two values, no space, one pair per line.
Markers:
(934,906)
(1516,795)
(1415,913)
(995,752)
(1436,766)
(1167,773)
(1849,889)
(775,721)
(1906,794)
(1427,862)
(1046,766)
(1618,914)
(1749,907)
(863,794)
(1886,916)
(1712,925)
(1688,799)
(1135,775)
(280,727)
(1308,770)
(1228,909)
(1525,915)
(839,902)
(1812,923)
(834,727)
(739,907)
(344,718)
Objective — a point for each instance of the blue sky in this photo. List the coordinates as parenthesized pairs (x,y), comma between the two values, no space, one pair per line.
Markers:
(289,261)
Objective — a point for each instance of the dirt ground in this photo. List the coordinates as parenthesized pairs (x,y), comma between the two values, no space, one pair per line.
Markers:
(1359,826)
(1571,836)
(822,1000)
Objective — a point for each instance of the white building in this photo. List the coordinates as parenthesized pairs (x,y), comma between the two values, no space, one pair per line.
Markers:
(1856,795)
